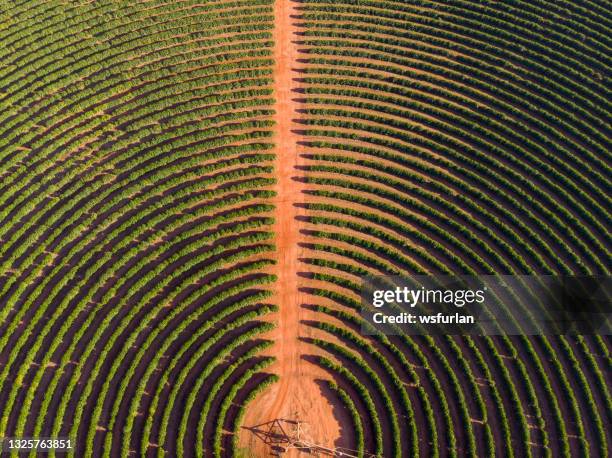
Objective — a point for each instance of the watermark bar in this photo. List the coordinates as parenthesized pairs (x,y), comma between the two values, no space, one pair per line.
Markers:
(487,305)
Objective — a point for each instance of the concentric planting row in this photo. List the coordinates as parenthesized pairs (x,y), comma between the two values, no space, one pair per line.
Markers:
(135,242)
(135,216)
(457,137)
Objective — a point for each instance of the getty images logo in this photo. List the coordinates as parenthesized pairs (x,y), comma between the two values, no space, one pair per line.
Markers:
(412,297)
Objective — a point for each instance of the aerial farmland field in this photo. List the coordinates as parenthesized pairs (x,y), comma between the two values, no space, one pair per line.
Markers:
(196,196)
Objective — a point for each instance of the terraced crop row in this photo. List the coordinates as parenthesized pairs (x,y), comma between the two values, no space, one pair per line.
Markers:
(468,138)
(135,221)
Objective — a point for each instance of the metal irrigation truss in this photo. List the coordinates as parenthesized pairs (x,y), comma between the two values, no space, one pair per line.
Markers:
(283,435)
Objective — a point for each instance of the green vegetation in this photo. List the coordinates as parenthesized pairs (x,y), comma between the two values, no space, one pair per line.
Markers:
(137,187)
(469,138)
(136,177)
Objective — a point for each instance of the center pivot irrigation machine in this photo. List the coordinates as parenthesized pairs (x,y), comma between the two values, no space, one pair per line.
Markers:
(283,435)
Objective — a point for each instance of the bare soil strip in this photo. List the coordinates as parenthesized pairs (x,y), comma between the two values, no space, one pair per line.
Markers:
(299,395)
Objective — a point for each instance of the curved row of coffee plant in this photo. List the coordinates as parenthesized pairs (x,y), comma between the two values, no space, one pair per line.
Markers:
(457,137)
(135,221)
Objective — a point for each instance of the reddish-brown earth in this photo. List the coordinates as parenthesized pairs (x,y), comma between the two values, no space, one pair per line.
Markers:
(298,395)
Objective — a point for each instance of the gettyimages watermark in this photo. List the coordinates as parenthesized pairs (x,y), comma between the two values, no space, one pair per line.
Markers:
(487,305)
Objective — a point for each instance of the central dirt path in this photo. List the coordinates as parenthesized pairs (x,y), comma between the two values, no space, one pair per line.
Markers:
(299,393)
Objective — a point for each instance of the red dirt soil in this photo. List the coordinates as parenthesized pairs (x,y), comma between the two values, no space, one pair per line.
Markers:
(297,395)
